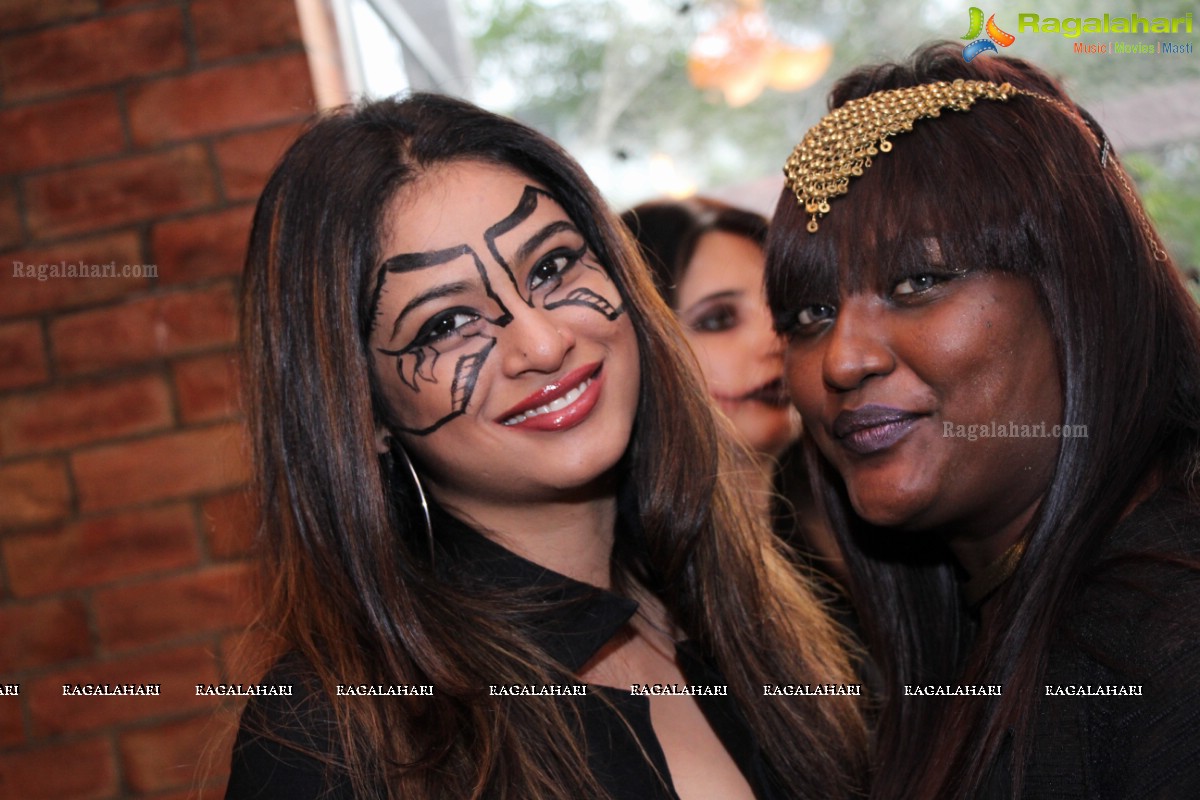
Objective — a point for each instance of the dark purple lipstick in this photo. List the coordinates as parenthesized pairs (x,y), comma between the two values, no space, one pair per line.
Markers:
(872,429)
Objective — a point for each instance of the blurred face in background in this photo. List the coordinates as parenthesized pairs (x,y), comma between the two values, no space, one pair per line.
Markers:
(722,305)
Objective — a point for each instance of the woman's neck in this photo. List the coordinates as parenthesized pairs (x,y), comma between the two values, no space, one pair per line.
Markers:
(572,536)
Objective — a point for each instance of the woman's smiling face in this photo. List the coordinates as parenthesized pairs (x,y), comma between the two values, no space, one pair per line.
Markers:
(883,377)
(502,345)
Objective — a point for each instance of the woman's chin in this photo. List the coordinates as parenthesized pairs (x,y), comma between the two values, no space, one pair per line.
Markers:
(891,510)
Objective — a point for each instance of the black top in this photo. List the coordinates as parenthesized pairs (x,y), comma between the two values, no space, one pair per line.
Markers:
(579,619)
(1136,623)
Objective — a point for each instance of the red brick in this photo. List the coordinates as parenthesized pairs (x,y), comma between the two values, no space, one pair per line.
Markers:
(11,234)
(220,99)
(177,671)
(95,551)
(27,294)
(230,522)
(39,634)
(173,755)
(207,387)
(76,771)
(167,466)
(223,29)
(12,724)
(144,330)
(93,53)
(246,160)
(34,492)
(169,608)
(22,355)
(59,132)
(202,247)
(214,785)
(27,13)
(82,413)
(119,192)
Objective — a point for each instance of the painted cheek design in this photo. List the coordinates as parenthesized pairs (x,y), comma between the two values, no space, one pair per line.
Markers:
(587,297)
(420,362)
(592,290)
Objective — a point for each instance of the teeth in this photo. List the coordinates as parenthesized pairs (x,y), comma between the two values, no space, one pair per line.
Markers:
(554,405)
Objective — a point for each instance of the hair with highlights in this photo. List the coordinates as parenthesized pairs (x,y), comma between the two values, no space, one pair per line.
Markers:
(348,583)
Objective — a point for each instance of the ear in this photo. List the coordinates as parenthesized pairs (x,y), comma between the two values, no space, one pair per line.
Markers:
(383,440)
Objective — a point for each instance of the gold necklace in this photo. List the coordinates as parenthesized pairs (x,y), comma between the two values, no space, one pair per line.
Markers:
(983,584)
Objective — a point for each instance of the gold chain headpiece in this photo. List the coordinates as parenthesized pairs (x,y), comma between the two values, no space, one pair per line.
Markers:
(841,145)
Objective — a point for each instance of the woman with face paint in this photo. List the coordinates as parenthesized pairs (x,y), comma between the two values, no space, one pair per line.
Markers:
(707,261)
(503,539)
(1001,375)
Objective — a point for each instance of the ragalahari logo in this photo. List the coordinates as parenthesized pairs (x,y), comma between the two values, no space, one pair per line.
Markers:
(994,37)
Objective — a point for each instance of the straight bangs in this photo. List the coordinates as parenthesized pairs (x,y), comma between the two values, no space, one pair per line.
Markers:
(1002,209)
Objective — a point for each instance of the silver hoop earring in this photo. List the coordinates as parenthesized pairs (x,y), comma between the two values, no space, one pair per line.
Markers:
(420,494)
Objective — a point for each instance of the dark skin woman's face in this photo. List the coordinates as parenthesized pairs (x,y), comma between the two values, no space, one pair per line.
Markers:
(885,377)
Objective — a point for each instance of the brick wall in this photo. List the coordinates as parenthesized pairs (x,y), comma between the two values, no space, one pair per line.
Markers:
(137,133)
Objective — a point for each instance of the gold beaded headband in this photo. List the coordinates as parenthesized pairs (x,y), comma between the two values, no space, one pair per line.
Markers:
(842,144)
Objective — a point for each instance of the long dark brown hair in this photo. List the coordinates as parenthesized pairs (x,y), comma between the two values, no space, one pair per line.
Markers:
(349,584)
(1028,187)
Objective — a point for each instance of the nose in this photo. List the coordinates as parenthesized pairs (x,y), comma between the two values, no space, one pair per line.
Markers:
(856,348)
(534,341)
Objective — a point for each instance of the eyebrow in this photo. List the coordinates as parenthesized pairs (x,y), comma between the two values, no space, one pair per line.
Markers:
(407,262)
(725,295)
(427,296)
(535,241)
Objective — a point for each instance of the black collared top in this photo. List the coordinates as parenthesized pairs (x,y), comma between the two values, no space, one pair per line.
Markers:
(624,754)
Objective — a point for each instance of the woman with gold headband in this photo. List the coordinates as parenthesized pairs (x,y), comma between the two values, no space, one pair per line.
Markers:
(999,369)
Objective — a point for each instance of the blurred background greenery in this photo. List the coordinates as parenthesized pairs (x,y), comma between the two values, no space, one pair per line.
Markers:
(662,97)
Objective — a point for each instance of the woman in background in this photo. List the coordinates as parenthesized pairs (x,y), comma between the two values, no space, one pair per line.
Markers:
(707,260)
(1000,368)
(482,462)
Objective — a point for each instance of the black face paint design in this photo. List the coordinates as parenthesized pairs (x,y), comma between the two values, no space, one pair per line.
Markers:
(417,362)
(581,296)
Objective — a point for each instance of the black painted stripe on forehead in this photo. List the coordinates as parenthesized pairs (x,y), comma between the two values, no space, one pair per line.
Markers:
(525,208)
(407,262)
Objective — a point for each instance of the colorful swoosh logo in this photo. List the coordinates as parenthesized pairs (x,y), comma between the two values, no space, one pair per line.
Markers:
(995,36)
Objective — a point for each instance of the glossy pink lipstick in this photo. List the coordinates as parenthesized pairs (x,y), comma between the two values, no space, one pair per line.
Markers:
(560,405)
(872,429)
